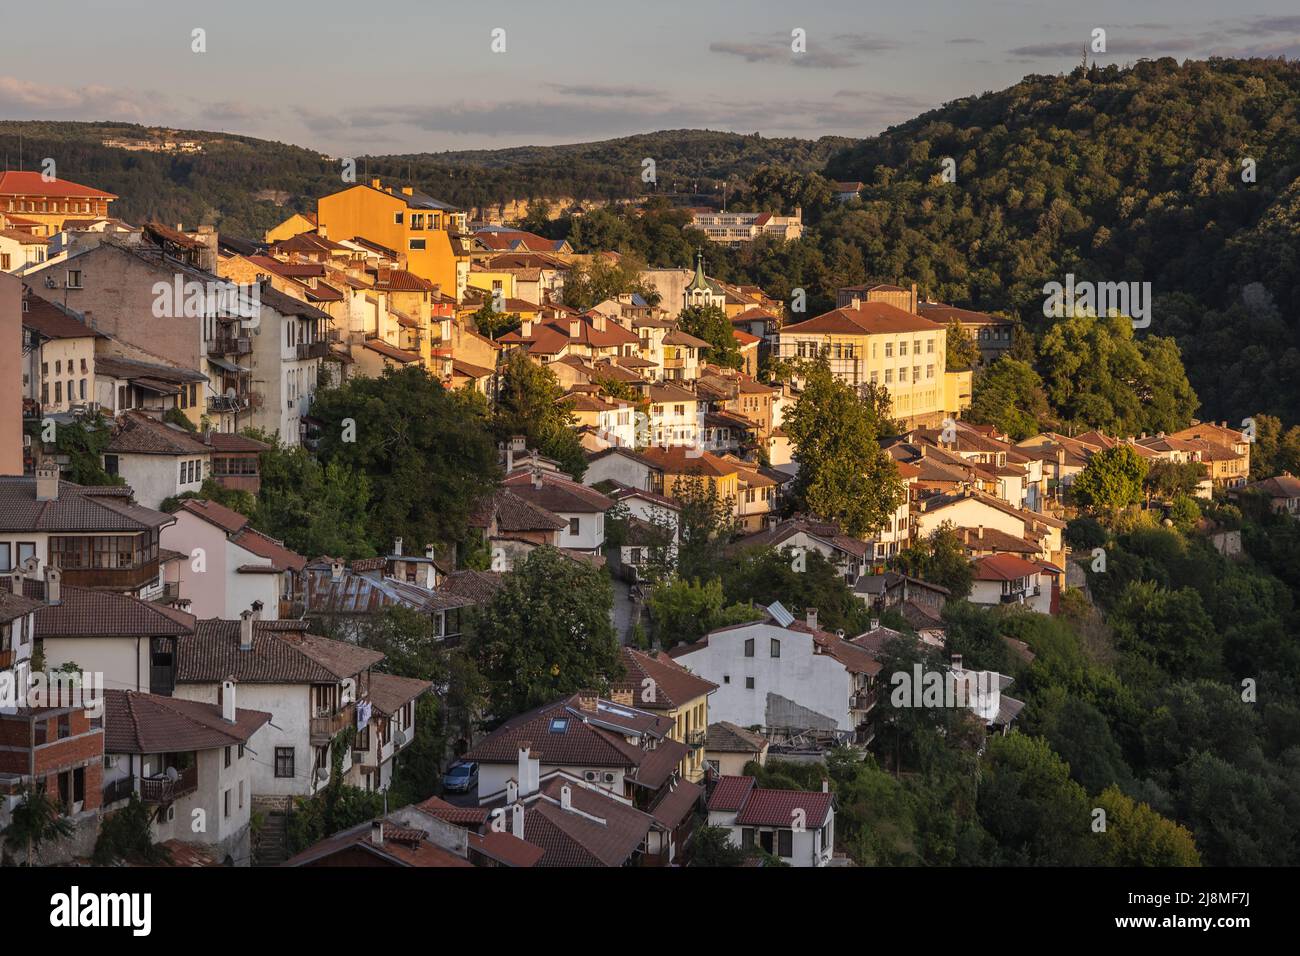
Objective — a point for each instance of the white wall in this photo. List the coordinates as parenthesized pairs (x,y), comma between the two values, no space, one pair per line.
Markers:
(156,477)
(124,661)
(816,681)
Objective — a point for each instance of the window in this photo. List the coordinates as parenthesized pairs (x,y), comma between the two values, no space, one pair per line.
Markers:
(397,218)
(929,371)
(726,678)
(749,647)
(889,376)
(58,393)
(749,683)
(225,804)
(241,752)
(902,349)
(74,278)
(227,756)
(785,843)
(776,647)
(416,244)
(575,525)
(747,838)
(241,793)
(929,346)
(284,761)
(889,350)
(5,556)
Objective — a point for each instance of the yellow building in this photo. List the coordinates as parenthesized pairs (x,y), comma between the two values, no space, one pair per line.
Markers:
(29,197)
(874,342)
(401,219)
(672,466)
(492,281)
(295,225)
(659,684)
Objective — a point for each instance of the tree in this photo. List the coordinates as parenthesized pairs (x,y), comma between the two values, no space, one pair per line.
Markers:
(532,403)
(710,323)
(1029,804)
(1136,835)
(799,580)
(233,498)
(492,323)
(1111,480)
(963,352)
(844,476)
(427,453)
(127,835)
(82,443)
(712,846)
(36,820)
(1009,395)
(939,559)
(683,611)
(705,523)
(314,509)
(546,633)
(1168,479)
(1163,631)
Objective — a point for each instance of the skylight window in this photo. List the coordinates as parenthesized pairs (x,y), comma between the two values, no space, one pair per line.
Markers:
(559,725)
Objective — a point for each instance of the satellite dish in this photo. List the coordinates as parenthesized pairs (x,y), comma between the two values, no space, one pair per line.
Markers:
(171,774)
(230,393)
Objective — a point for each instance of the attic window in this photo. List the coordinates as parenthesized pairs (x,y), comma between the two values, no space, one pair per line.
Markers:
(559,725)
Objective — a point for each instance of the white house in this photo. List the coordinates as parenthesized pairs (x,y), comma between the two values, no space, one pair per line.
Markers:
(1008,579)
(313,687)
(226,565)
(158,460)
(797,826)
(580,507)
(190,763)
(785,676)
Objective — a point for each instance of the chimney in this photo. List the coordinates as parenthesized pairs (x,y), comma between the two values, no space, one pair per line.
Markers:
(529,772)
(537,478)
(518,443)
(47,481)
(336,571)
(598,322)
(377,828)
(408,191)
(257,610)
(512,791)
(956,662)
(587,701)
(915,301)
(826,784)
(374,184)
(875,623)
(509,451)
(812,618)
(575,329)
(245,630)
(623,695)
(53,586)
(517,821)
(228,701)
(980,533)
(526,328)
(397,547)
(566,797)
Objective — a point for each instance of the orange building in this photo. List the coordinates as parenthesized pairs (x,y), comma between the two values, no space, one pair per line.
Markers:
(29,196)
(402,219)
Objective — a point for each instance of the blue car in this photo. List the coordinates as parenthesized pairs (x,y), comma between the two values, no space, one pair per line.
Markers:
(460,778)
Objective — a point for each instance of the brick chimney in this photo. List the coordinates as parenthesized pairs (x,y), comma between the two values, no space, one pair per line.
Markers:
(53,586)
(812,618)
(587,701)
(336,571)
(228,701)
(47,481)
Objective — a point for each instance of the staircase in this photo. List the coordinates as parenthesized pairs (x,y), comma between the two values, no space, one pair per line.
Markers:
(271,844)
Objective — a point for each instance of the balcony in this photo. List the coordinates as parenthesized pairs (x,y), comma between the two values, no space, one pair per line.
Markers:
(696,739)
(311,350)
(113,579)
(7,659)
(160,789)
(232,403)
(326,725)
(386,750)
(403,737)
(231,345)
(118,790)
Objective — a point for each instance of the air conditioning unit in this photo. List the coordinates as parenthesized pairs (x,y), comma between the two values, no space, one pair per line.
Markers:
(609,778)
(591,776)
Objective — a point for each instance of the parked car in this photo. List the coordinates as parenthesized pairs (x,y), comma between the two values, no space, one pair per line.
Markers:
(460,778)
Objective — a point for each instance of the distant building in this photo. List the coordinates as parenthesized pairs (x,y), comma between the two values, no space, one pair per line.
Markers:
(736,228)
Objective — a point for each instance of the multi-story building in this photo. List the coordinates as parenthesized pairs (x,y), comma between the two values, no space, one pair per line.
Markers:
(883,345)
(50,201)
(59,357)
(795,825)
(735,228)
(659,684)
(411,223)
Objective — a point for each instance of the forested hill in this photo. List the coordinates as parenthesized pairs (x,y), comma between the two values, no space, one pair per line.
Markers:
(243,185)
(1114,175)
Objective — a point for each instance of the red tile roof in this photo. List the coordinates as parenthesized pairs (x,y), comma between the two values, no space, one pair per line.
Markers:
(25,183)
(870,318)
(781,808)
(671,685)
(730,793)
(1003,567)
(136,723)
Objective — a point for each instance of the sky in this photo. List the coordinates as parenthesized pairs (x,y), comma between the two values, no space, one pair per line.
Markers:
(405,76)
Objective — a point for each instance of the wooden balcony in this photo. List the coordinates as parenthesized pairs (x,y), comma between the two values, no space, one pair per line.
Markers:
(112,579)
(7,659)
(162,790)
(120,789)
(324,727)
(310,350)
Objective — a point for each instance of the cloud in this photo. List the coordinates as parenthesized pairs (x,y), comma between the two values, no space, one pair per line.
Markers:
(752,52)
(966,40)
(24,99)
(866,42)
(598,91)
(1115,46)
